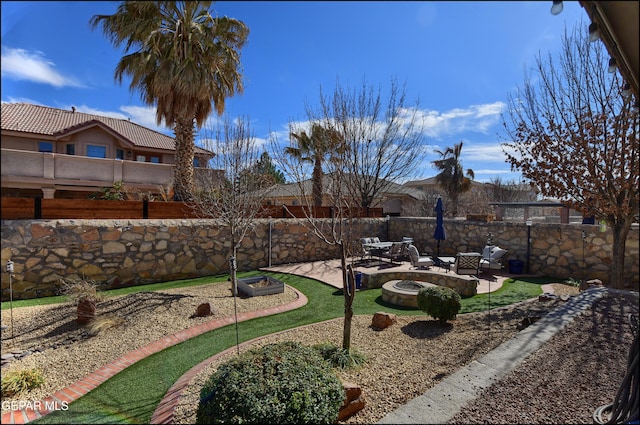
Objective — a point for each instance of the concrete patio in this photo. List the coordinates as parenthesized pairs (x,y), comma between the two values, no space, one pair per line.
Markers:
(330,272)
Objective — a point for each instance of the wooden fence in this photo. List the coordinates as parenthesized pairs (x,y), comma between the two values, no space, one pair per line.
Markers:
(51,209)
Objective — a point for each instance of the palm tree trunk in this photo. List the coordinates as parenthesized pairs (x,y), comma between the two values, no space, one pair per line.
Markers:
(183,177)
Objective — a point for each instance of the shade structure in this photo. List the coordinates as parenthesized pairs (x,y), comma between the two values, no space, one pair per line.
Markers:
(439,234)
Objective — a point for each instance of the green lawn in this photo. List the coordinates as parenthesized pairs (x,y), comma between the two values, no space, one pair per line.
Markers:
(132,395)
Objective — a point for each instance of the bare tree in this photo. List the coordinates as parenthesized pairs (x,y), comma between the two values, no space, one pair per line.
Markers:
(340,228)
(510,191)
(382,137)
(575,135)
(228,192)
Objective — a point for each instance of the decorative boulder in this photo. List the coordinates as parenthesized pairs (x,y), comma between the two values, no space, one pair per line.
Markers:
(589,283)
(353,403)
(203,310)
(546,297)
(382,320)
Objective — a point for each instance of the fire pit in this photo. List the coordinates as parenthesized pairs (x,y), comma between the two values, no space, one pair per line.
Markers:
(403,293)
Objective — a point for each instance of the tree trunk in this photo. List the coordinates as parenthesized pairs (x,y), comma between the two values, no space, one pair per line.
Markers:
(183,176)
(349,291)
(620,230)
(317,183)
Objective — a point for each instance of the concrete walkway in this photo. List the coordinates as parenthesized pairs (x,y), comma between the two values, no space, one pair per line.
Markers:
(445,400)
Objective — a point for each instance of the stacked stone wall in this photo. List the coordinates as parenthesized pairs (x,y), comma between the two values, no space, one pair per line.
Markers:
(556,249)
(116,253)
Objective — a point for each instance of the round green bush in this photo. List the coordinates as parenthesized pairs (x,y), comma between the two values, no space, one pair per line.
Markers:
(439,302)
(283,383)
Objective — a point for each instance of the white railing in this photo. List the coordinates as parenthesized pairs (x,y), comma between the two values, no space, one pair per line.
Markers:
(51,168)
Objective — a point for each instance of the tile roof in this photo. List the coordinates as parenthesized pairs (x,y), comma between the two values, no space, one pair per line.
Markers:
(28,118)
(293,189)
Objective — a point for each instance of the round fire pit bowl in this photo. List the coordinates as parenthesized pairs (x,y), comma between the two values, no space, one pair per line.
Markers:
(403,293)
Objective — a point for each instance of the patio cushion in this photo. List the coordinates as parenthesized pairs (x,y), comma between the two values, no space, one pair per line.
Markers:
(494,253)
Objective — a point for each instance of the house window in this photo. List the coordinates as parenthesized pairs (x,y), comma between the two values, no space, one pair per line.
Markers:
(141,158)
(196,162)
(71,149)
(94,151)
(119,153)
(155,159)
(45,146)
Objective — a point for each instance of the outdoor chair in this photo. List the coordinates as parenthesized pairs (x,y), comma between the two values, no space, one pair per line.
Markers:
(417,261)
(366,251)
(467,263)
(493,258)
(394,253)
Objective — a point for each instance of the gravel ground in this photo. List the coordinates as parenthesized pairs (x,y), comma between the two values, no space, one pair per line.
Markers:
(65,351)
(404,360)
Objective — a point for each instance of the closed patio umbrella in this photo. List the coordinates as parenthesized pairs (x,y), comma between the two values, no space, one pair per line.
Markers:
(439,233)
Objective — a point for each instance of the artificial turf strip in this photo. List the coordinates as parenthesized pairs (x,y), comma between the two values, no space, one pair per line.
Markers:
(132,395)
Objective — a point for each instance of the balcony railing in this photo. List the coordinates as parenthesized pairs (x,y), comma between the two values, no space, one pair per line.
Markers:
(55,168)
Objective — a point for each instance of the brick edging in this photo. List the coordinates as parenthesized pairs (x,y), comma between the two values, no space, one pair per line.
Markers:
(91,381)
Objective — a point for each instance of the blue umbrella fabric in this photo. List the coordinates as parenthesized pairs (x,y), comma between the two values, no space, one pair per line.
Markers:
(439,233)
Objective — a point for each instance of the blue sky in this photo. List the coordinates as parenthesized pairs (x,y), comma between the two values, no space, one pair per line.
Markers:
(459,59)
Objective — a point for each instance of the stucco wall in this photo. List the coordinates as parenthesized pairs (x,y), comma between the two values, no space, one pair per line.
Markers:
(132,252)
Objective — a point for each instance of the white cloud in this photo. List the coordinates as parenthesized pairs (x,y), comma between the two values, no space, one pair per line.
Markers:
(475,118)
(19,64)
(145,116)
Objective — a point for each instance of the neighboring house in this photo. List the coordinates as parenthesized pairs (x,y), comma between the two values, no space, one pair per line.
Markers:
(395,200)
(55,153)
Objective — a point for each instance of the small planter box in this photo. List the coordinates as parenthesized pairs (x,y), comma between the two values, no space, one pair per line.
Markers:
(260,285)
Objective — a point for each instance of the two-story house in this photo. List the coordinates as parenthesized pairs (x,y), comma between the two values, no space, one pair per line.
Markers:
(55,153)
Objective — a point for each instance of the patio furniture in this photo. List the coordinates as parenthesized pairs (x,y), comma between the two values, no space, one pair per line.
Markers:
(467,263)
(366,249)
(444,262)
(394,253)
(493,258)
(417,261)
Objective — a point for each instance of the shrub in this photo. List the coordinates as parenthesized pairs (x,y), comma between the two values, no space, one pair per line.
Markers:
(338,356)
(103,323)
(78,290)
(572,282)
(283,383)
(439,302)
(17,382)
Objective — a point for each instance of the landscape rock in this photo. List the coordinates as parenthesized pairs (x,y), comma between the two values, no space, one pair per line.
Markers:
(546,297)
(589,283)
(353,403)
(382,320)
(203,310)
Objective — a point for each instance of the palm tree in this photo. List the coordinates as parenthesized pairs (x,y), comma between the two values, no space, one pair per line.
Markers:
(451,177)
(314,149)
(183,60)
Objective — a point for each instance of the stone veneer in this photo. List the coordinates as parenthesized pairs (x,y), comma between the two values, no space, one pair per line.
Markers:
(556,249)
(118,253)
(466,286)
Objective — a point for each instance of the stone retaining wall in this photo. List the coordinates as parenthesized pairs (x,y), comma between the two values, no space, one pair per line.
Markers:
(556,249)
(117,253)
(466,286)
